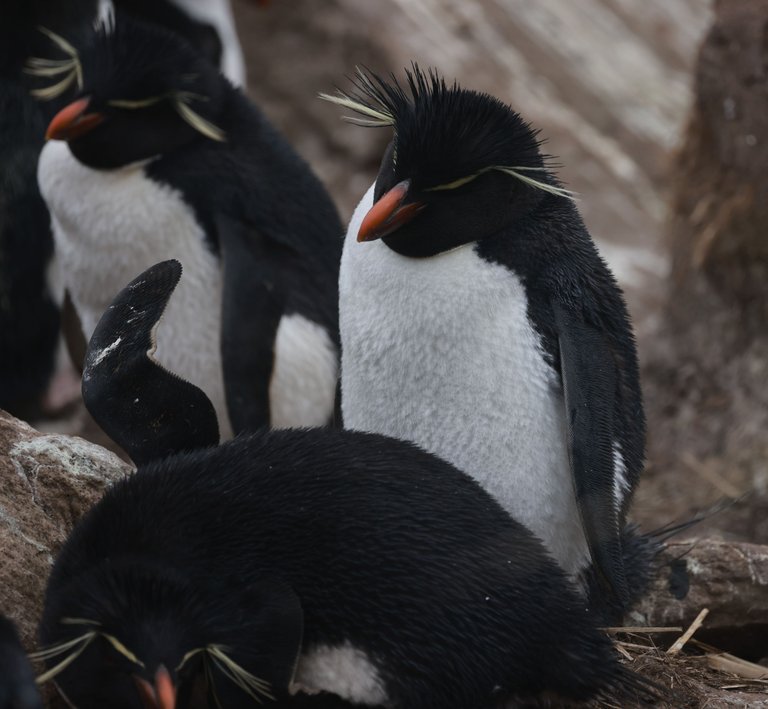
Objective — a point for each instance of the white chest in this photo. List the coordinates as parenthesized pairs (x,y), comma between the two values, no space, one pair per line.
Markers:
(109,226)
(440,351)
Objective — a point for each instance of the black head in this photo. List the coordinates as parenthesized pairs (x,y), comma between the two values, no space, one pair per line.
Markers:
(143,92)
(461,166)
(138,635)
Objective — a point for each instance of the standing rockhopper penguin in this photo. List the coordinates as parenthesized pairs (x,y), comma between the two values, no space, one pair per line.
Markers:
(160,156)
(287,563)
(478,320)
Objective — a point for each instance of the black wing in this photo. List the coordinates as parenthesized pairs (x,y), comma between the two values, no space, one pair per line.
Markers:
(143,407)
(590,378)
(252,306)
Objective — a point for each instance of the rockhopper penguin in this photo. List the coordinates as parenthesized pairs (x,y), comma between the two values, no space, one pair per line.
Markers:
(287,563)
(29,318)
(479,321)
(159,156)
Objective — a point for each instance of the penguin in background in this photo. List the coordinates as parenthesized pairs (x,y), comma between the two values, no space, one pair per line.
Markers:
(316,568)
(208,25)
(17,681)
(29,316)
(160,156)
(479,321)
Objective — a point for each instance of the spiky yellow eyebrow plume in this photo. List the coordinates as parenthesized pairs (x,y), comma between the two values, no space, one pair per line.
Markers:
(83,641)
(376,117)
(181,101)
(77,645)
(253,686)
(515,172)
(71,68)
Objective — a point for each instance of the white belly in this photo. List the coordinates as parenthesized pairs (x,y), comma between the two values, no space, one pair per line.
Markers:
(108,227)
(439,351)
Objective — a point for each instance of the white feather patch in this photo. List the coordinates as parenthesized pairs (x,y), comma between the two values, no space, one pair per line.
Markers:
(344,670)
(303,386)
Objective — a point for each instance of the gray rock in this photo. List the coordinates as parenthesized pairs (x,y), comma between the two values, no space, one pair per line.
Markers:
(46,483)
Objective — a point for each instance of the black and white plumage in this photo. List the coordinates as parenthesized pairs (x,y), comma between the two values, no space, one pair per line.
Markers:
(290,562)
(482,324)
(17,681)
(29,319)
(160,157)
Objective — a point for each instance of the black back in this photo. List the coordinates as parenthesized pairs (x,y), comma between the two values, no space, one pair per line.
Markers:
(386,547)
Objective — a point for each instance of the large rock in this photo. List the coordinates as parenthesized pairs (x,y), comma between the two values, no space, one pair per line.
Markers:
(46,483)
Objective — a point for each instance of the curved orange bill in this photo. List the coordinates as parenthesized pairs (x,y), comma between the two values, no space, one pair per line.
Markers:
(389,213)
(72,121)
(162,695)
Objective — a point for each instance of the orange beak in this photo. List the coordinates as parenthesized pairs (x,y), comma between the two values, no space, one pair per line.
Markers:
(162,695)
(389,214)
(73,121)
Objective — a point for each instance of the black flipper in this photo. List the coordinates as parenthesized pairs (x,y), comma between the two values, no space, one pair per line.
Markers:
(589,377)
(251,311)
(17,681)
(143,407)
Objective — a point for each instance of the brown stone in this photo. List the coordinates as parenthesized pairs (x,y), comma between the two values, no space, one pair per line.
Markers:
(47,482)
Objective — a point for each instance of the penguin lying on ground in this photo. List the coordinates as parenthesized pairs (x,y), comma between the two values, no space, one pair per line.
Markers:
(290,562)
(478,320)
(17,681)
(159,156)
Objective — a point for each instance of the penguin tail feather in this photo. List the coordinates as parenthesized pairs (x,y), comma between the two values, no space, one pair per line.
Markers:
(640,551)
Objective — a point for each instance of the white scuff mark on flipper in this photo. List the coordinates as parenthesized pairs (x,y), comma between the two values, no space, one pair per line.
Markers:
(105,352)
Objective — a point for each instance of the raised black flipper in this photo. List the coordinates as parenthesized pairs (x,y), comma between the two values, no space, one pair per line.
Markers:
(143,407)
(17,681)
(589,377)
(251,310)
